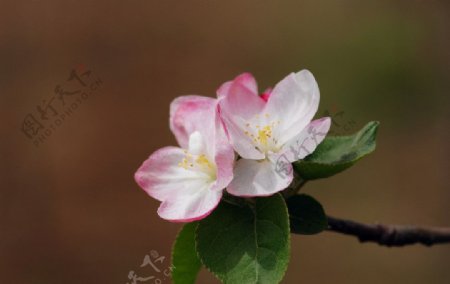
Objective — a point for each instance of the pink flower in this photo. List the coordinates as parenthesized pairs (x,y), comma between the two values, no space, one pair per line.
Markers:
(270,132)
(189,181)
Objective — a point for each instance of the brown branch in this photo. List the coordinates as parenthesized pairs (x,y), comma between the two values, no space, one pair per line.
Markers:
(390,235)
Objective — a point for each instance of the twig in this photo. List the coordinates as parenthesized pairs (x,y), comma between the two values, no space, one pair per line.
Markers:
(390,235)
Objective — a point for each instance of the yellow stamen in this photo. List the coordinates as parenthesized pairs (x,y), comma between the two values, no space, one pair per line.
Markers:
(202,160)
(184,163)
(264,134)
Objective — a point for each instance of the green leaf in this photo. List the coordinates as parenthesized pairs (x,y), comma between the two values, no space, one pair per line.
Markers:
(249,244)
(306,215)
(185,262)
(337,153)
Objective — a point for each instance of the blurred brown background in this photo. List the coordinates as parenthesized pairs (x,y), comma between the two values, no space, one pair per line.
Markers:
(70,211)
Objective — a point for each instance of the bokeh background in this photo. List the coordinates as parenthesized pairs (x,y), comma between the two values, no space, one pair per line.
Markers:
(70,211)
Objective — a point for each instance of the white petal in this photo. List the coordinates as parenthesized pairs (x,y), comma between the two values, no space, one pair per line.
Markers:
(196,145)
(192,113)
(186,194)
(259,178)
(236,109)
(190,208)
(162,177)
(293,101)
(307,140)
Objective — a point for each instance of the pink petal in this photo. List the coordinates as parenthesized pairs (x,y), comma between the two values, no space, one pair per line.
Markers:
(224,158)
(265,96)
(307,140)
(185,194)
(259,178)
(192,113)
(195,207)
(162,178)
(246,80)
(236,107)
(294,101)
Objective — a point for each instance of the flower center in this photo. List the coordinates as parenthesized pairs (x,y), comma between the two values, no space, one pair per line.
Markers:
(261,130)
(198,163)
(196,160)
(264,134)
(204,162)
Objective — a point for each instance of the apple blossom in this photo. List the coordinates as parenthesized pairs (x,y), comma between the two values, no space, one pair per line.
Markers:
(189,181)
(271,131)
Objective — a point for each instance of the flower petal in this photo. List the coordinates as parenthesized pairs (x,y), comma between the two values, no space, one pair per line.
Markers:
(266,94)
(307,140)
(259,178)
(245,79)
(192,208)
(162,177)
(239,105)
(192,113)
(224,158)
(293,101)
(185,194)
